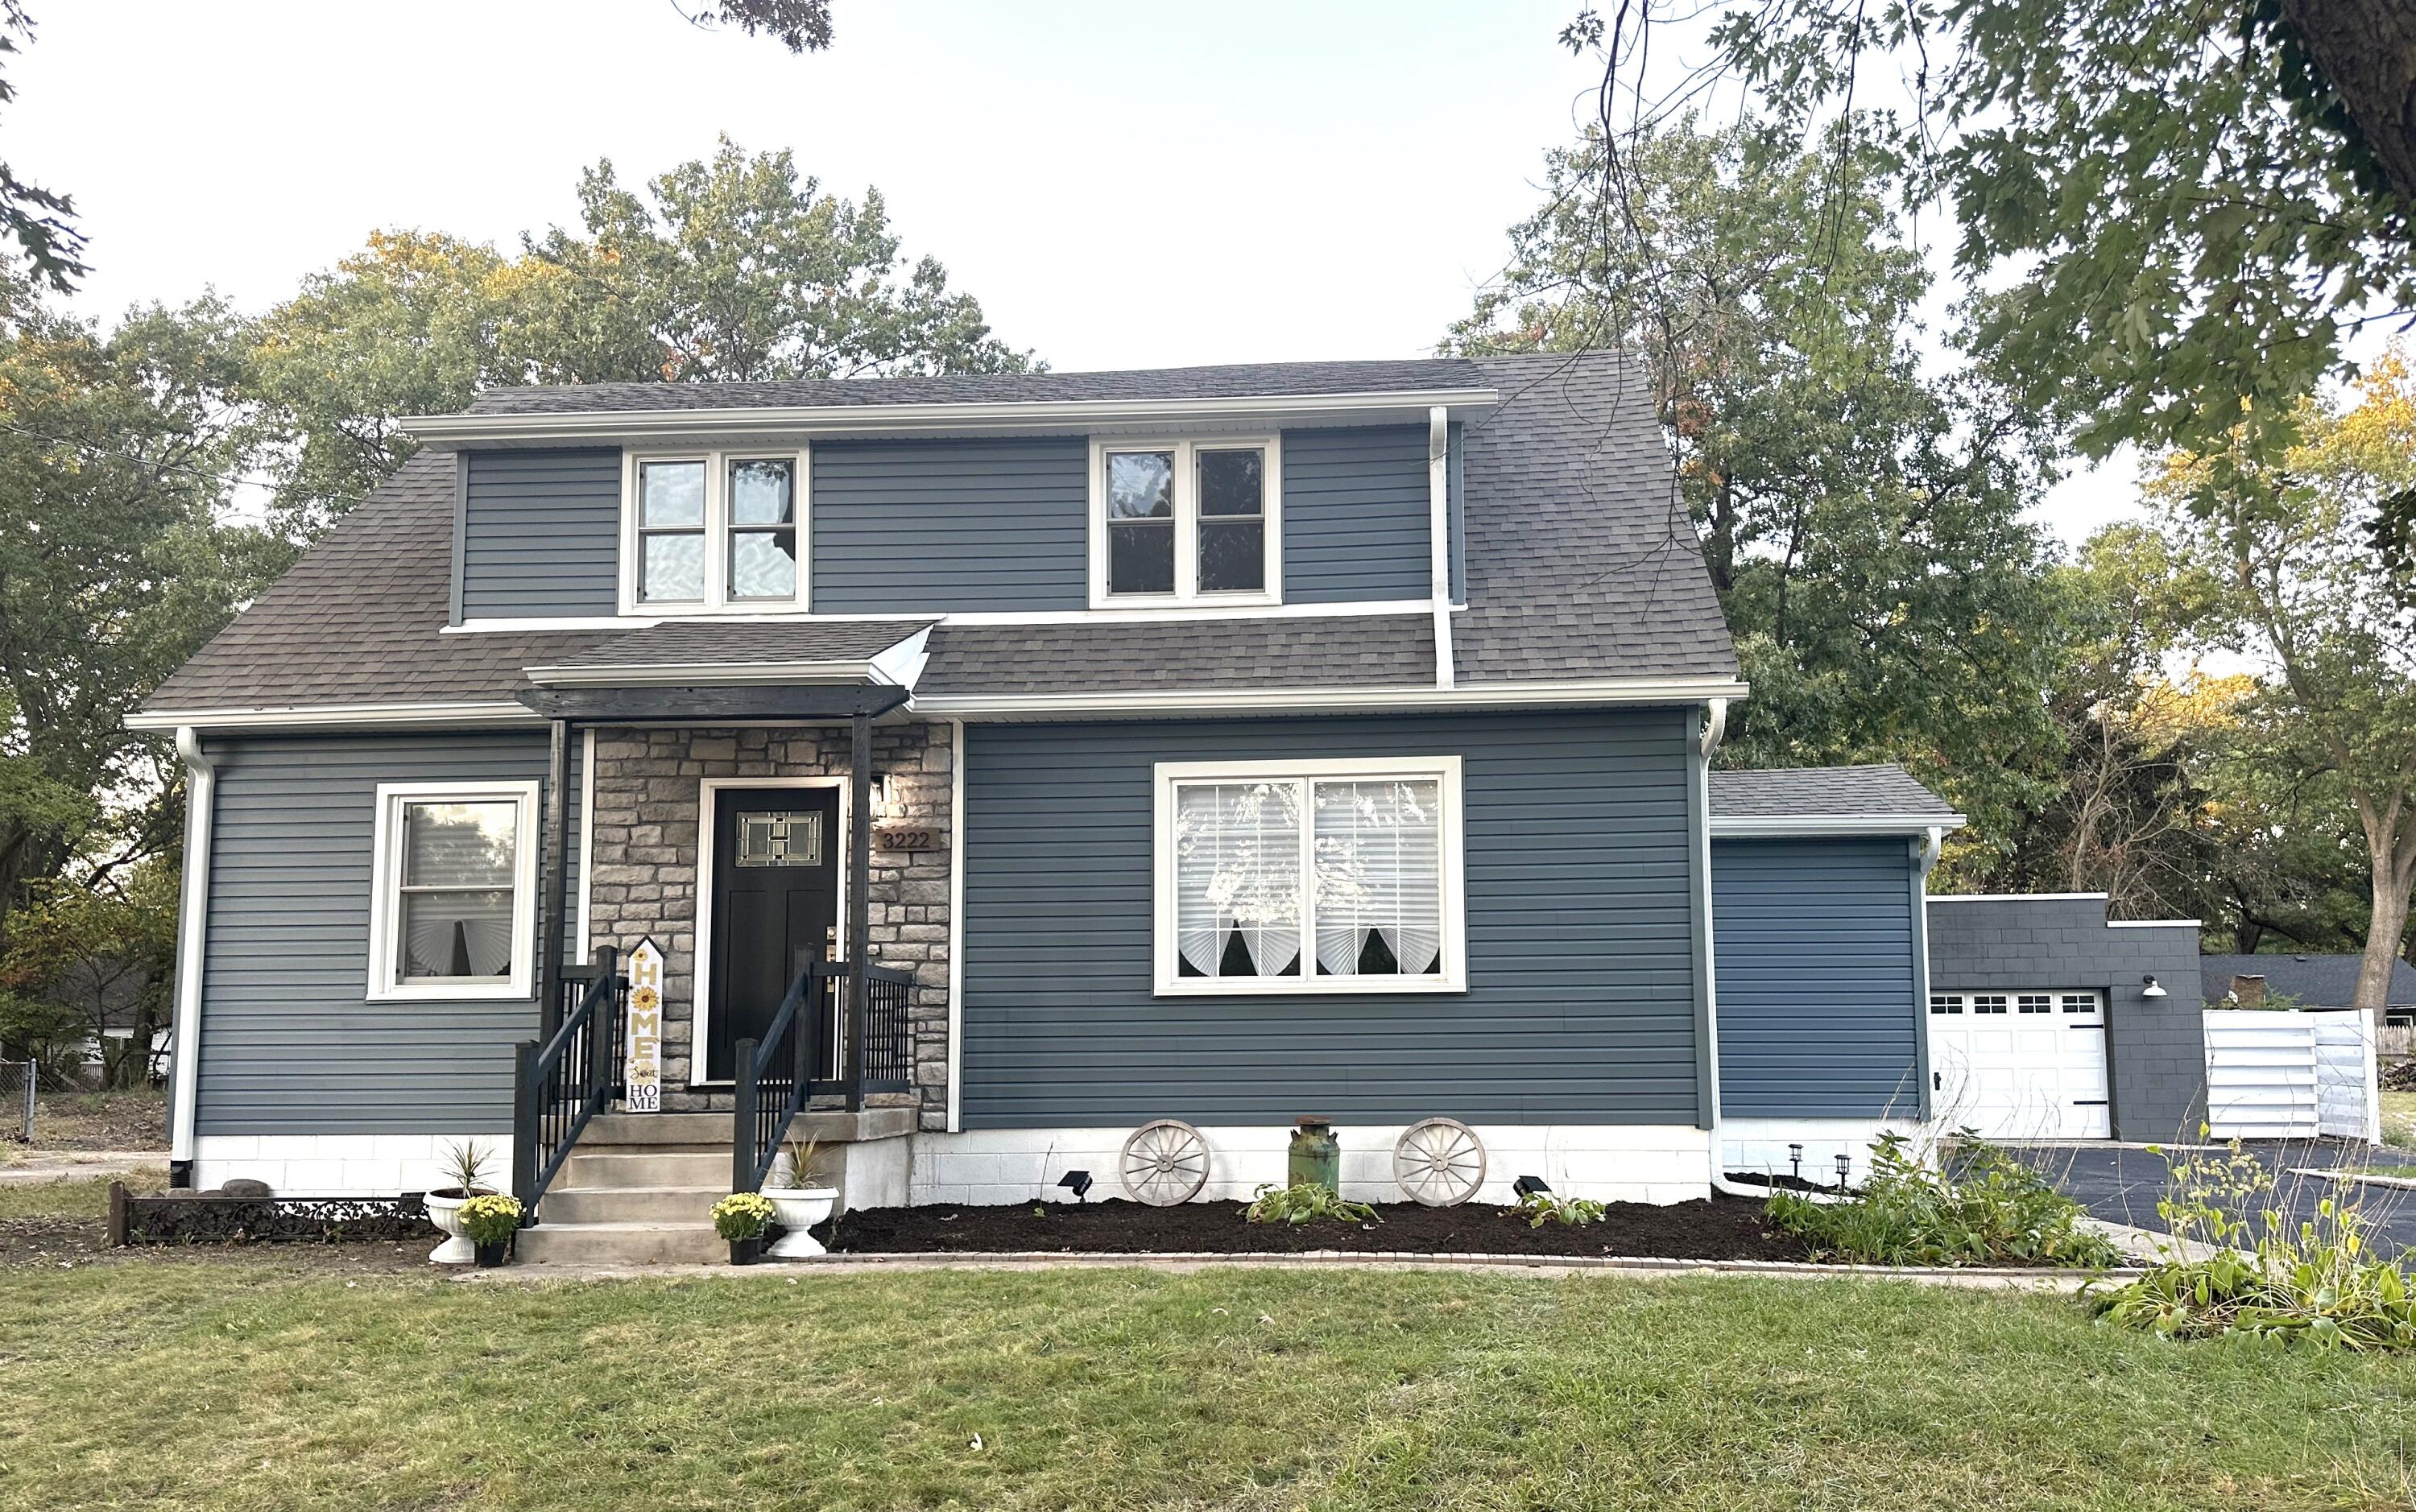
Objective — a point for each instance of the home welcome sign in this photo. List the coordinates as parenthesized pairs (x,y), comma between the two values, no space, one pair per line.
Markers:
(643,1077)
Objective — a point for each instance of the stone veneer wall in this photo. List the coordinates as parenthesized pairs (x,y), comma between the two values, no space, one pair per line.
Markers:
(643,863)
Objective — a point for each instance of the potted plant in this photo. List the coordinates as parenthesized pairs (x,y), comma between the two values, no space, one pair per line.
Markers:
(741,1218)
(489,1221)
(465,1166)
(798,1203)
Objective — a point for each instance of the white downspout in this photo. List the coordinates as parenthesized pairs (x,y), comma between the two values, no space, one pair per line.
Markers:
(1439,536)
(201,795)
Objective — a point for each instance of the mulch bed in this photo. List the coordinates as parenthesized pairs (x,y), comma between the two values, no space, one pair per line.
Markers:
(1722,1228)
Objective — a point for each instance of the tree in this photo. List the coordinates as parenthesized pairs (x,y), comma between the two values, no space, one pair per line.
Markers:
(727,269)
(2184,226)
(92,955)
(799,25)
(1861,521)
(117,453)
(2284,549)
(41,221)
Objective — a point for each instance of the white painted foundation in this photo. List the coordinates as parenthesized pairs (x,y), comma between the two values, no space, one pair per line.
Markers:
(344,1165)
(1609,1163)
(1761,1144)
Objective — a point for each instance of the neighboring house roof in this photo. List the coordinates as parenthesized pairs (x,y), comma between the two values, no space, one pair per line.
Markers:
(2315,981)
(1581,565)
(1883,790)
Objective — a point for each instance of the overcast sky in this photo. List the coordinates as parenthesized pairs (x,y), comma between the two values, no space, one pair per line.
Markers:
(1121,185)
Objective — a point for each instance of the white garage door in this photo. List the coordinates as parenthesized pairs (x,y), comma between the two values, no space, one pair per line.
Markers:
(2020,1064)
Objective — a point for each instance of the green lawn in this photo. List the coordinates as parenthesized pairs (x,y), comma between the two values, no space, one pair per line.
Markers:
(2399,1119)
(71,1196)
(258,1385)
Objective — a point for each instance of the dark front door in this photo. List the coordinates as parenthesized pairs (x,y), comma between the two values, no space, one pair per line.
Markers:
(775,907)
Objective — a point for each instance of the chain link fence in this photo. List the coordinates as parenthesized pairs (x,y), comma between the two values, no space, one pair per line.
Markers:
(17,1099)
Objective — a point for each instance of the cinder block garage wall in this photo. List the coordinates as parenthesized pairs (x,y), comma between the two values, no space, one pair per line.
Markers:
(2155,1047)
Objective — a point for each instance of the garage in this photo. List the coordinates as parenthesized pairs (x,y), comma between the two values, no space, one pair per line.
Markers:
(2047,1020)
(2020,1064)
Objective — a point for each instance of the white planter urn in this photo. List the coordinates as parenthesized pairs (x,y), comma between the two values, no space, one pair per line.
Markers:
(797,1209)
(446,1213)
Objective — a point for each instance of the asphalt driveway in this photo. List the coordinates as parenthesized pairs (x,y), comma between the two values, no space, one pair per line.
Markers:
(2122,1185)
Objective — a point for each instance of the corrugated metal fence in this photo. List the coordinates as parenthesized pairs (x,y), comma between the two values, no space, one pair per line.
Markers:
(2292,1075)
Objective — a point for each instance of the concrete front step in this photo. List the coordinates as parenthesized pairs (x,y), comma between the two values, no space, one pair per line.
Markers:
(630,1205)
(621,1244)
(638,1167)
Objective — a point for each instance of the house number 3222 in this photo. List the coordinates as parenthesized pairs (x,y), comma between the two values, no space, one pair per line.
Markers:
(905,837)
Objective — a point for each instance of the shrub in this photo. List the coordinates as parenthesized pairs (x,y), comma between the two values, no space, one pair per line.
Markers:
(2262,1277)
(1542,1207)
(742,1215)
(465,1166)
(1308,1202)
(1991,1209)
(490,1219)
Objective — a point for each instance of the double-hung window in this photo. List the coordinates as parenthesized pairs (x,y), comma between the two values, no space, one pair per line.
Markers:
(713,530)
(1190,522)
(453,890)
(1324,877)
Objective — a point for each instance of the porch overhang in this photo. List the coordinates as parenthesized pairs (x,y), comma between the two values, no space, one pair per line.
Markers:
(715,704)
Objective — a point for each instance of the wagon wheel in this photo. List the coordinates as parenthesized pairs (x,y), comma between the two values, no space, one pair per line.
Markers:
(1165,1163)
(1440,1163)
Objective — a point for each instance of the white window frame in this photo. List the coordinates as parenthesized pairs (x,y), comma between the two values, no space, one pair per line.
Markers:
(1187,592)
(1169,979)
(386,983)
(717,530)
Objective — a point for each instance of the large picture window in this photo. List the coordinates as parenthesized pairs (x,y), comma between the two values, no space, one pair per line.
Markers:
(1186,522)
(454,879)
(1310,876)
(715,530)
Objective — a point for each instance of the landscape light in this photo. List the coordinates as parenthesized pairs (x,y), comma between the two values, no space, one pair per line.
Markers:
(1079,1182)
(1795,1158)
(1845,1163)
(1529,1186)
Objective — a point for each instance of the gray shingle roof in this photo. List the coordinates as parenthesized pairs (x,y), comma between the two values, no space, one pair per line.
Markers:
(1242,380)
(357,620)
(2315,981)
(1581,564)
(682,641)
(1822,792)
(1359,650)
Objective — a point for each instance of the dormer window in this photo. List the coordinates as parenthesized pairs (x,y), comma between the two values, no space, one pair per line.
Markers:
(713,530)
(1184,522)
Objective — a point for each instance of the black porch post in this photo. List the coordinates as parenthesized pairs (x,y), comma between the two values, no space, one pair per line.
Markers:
(859,905)
(551,933)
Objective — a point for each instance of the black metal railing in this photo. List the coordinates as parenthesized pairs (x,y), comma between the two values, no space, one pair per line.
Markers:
(818,1045)
(776,1076)
(557,1087)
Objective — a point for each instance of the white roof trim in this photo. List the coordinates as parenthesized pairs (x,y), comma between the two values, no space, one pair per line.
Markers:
(938,419)
(1780,826)
(991,706)
(2155,923)
(1355,609)
(1312,700)
(2016,897)
(336,716)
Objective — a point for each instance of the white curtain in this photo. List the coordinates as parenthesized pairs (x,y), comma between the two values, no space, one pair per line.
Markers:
(1379,856)
(458,864)
(1237,871)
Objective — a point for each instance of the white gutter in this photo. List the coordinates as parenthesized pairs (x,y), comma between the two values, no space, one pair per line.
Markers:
(1439,536)
(1285,700)
(1072,416)
(1780,826)
(335,716)
(192,923)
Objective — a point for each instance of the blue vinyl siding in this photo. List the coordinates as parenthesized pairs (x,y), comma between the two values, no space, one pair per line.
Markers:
(1813,949)
(931,527)
(1580,1007)
(542,535)
(290,1043)
(1355,507)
